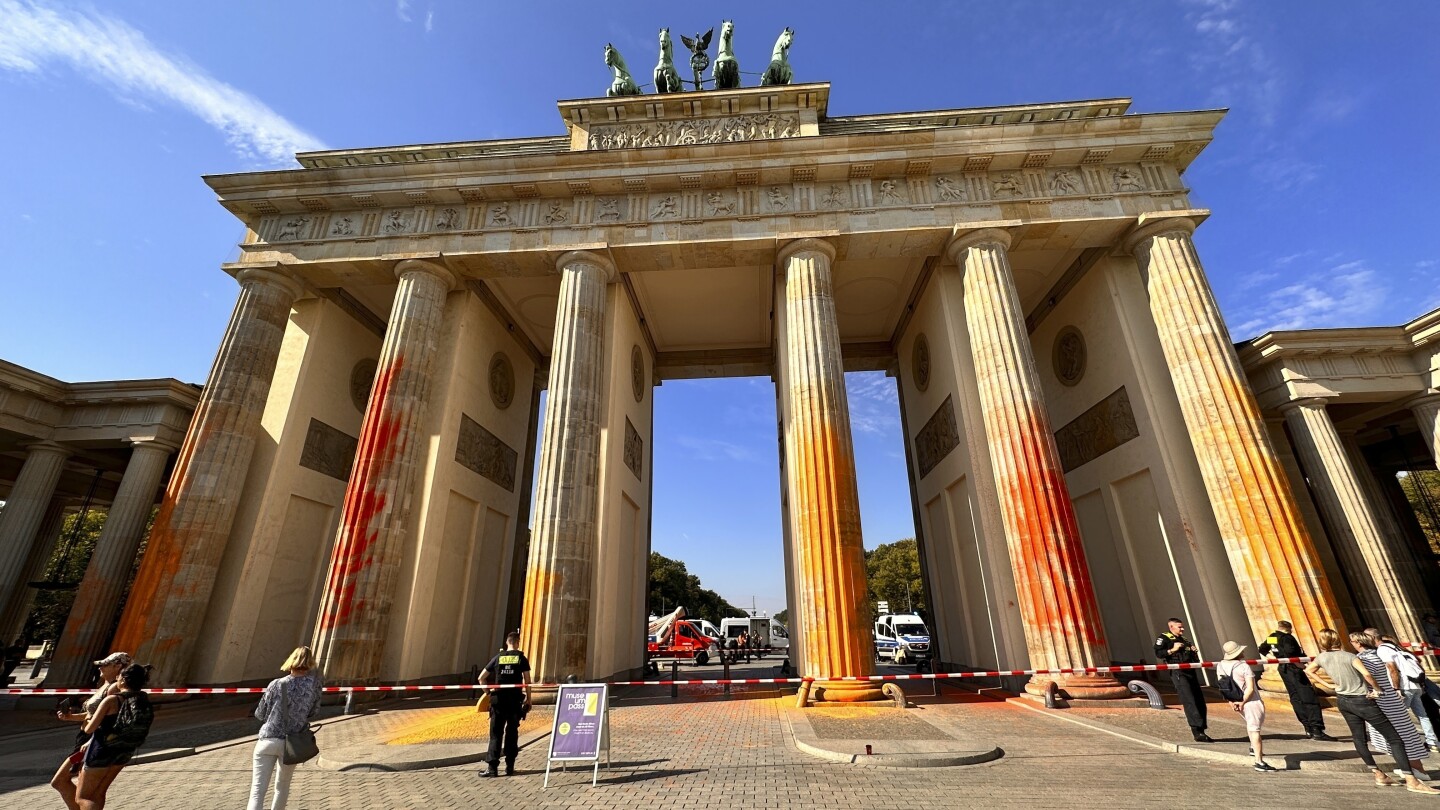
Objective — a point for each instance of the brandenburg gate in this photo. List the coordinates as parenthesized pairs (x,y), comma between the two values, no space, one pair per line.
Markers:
(1086,455)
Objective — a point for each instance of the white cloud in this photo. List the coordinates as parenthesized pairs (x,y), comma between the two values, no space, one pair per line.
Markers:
(402,10)
(715,449)
(34,37)
(429,21)
(1347,294)
(874,403)
(1239,69)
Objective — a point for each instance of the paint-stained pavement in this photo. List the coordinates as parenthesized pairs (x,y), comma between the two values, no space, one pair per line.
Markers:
(718,752)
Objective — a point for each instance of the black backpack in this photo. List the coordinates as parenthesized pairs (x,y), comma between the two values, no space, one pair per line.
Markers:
(132,722)
(1229,689)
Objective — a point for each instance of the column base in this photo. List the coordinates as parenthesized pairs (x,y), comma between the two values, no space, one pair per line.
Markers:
(846,691)
(1080,687)
(544,695)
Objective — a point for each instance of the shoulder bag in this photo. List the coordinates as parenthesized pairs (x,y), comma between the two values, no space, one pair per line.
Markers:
(299,746)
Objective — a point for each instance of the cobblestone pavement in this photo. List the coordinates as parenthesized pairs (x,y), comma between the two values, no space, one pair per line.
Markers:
(715,752)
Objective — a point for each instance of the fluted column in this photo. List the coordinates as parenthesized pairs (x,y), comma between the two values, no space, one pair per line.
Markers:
(1061,616)
(93,615)
(555,621)
(172,591)
(22,597)
(350,632)
(25,510)
(1271,554)
(824,501)
(1427,414)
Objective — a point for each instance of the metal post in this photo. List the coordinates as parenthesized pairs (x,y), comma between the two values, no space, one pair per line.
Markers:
(726,661)
(674,676)
(350,701)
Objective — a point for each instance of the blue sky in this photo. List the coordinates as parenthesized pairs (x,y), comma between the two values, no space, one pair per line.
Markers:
(1322,177)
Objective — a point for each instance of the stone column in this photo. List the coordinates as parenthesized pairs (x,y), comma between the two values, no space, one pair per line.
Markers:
(824,512)
(1426,408)
(555,621)
(25,510)
(22,598)
(172,591)
(1063,627)
(1275,564)
(93,615)
(350,632)
(1385,597)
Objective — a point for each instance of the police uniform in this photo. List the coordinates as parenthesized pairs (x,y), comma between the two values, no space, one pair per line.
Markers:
(1302,695)
(1187,681)
(506,707)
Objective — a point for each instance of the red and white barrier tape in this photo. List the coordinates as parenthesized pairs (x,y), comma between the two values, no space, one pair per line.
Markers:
(255,690)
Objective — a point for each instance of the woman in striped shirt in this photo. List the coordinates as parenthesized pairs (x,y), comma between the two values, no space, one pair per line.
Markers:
(1391,703)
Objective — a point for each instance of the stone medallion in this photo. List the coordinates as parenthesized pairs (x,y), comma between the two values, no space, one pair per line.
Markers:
(920,363)
(637,374)
(502,381)
(1069,355)
(362,377)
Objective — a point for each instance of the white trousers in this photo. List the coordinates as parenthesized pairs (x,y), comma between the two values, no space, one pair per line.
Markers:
(267,756)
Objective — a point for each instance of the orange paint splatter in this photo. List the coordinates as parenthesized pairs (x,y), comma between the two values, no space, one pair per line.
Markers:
(353,552)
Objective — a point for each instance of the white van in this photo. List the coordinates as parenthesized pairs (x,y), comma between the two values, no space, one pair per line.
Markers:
(902,638)
(710,630)
(765,632)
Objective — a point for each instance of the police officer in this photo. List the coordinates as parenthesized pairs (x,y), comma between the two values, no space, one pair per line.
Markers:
(1281,644)
(507,706)
(1173,648)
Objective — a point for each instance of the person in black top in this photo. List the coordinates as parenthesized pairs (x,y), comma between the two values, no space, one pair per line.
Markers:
(1281,644)
(1173,648)
(507,706)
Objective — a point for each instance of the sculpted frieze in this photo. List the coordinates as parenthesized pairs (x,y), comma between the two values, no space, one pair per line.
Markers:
(1067,191)
(752,127)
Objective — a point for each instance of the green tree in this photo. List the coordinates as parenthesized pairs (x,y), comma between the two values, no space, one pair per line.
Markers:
(671,585)
(1422,490)
(66,567)
(893,571)
(783,616)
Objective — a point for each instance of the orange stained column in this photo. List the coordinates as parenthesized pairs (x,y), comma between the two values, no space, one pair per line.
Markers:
(559,579)
(1063,628)
(350,635)
(171,593)
(820,471)
(1273,558)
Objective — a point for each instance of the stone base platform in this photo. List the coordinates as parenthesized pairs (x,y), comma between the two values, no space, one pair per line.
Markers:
(910,738)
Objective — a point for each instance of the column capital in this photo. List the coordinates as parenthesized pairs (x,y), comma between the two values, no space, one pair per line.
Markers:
(809,244)
(981,236)
(1312,403)
(590,258)
(272,276)
(47,446)
(1422,399)
(1156,223)
(434,268)
(153,444)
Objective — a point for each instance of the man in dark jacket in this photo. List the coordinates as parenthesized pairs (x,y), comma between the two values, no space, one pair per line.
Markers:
(1281,644)
(1173,648)
(507,706)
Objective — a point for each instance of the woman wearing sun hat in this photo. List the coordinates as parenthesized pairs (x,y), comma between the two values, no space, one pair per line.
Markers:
(110,668)
(1250,706)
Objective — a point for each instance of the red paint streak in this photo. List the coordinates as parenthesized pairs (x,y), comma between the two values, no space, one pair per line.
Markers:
(353,553)
(1057,578)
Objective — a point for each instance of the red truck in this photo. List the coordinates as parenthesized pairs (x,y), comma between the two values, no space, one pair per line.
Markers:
(671,636)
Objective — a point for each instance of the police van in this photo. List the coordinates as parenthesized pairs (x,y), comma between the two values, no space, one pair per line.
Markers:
(902,638)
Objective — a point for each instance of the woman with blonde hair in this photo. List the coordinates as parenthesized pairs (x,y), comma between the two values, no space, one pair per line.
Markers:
(64,780)
(286,708)
(1356,693)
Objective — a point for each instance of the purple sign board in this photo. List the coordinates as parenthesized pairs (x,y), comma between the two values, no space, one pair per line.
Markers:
(579,726)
